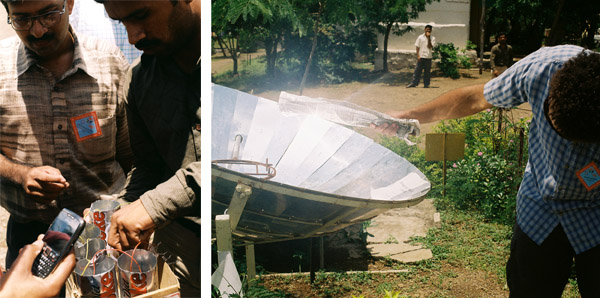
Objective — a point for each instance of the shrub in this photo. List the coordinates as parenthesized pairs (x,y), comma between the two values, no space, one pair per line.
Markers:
(449,59)
(487,179)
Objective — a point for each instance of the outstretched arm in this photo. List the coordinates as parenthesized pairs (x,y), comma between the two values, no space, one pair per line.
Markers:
(457,103)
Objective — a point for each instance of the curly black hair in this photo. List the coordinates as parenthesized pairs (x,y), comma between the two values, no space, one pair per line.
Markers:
(574,101)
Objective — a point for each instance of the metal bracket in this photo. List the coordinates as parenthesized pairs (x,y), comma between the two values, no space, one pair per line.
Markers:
(238,203)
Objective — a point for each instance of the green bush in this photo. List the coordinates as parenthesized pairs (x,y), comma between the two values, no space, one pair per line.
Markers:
(449,59)
(486,181)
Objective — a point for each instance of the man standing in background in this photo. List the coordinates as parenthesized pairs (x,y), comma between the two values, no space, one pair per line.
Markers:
(425,44)
(501,56)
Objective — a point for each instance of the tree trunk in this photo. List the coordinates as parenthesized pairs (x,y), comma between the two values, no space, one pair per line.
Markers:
(554,32)
(588,39)
(233,46)
(388,29)
(312,51)
(271,53)
(221,46)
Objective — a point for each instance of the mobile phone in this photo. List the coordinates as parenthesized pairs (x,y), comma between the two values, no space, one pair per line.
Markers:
(58,240)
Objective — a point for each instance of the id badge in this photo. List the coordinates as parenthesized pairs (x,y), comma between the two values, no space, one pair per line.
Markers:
(589,176)
(86,126)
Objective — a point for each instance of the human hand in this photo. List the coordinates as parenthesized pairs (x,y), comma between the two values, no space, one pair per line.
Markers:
(20,282)
(44,183)
(129,226)
(496,73)
(390,128)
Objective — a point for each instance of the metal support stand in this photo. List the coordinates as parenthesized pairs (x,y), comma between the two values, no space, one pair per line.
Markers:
(322,252)
(227,223)
(250,262)
(238,203)
(223,228)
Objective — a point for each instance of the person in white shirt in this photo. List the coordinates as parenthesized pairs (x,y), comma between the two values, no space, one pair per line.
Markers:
(425,43)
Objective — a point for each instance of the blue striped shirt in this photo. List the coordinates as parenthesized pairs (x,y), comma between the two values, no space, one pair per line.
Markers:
(550,193)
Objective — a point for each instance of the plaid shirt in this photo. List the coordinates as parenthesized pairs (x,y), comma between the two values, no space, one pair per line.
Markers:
(39,116)
(550,193)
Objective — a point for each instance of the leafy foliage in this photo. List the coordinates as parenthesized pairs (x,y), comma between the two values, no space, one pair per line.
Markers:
(488,178)
(486,181)
(450,61)
(525,21)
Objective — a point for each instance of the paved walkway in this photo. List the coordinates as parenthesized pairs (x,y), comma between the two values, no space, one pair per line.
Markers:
(393,230)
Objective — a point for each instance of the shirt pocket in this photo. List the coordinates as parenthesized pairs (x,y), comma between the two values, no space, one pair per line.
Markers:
(99,148)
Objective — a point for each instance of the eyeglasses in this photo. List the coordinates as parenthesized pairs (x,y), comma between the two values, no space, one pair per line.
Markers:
(47,20)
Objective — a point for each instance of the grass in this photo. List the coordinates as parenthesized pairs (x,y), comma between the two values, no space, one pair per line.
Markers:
(252,78)
(463,246)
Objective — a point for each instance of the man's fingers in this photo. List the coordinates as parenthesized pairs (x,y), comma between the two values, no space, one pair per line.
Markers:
(27,255)
(45,176)
(53,187)
(113,235)
(123,238)
(64,268)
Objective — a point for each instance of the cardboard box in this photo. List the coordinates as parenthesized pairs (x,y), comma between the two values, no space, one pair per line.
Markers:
(168,285)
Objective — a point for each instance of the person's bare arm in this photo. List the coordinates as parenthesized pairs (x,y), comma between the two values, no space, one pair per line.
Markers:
(44,183)
(457,103)
(418,57)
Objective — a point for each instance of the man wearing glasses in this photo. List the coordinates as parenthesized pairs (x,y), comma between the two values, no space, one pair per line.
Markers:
(63,132)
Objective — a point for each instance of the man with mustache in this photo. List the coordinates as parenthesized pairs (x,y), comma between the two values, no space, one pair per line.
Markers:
(63,132)
(163,106)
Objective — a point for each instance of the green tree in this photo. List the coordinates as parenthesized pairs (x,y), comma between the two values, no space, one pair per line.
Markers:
(227,27)
(390,16)
(268,20)
(326,13)
(526,21)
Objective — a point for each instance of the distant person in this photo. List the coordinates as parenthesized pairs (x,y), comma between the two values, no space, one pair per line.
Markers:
(501,56)
(425,44)
(558,203)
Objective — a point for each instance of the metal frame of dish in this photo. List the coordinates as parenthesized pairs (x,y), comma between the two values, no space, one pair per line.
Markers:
(328,213)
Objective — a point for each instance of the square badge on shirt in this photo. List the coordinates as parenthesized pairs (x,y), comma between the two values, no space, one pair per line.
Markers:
(589,176)
(86,126)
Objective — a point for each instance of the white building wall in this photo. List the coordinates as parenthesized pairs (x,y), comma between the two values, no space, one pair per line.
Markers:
(450,21)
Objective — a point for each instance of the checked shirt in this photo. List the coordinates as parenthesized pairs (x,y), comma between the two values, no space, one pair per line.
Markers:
(550,193)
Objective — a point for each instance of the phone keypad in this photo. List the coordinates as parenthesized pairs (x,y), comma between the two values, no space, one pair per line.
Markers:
(44,262)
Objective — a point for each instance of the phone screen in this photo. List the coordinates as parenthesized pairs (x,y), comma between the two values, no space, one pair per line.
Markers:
(61,230)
